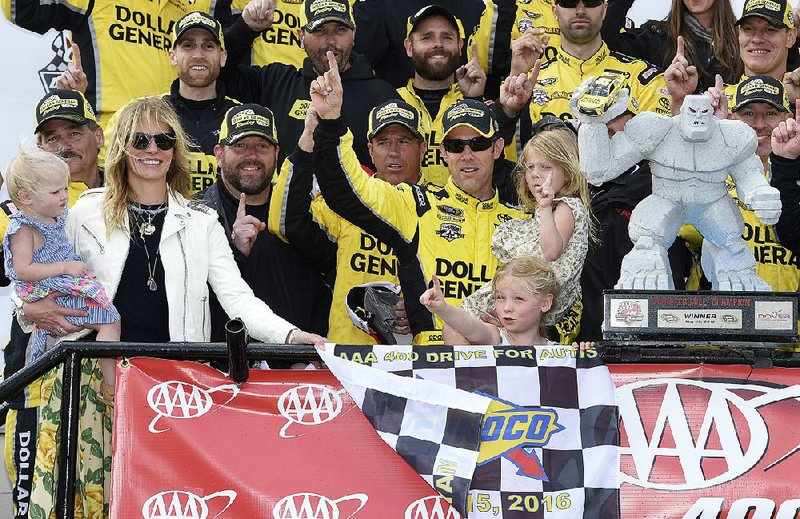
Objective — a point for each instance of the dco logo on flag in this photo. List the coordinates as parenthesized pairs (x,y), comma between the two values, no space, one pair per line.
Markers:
(307,505)
(176,399)
(177,504)
(308,404)
(712,432)
(431,507)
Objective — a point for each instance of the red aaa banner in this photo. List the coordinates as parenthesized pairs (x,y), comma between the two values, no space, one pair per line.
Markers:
(708,441)
(286,445)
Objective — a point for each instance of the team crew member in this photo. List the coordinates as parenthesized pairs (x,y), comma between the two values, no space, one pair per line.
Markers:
(761,102)
(766,33)
(583,53)
(247,154)
(382,32)
(434,42)
(197,97)
(362,260)
(444,231)
(279,43)
(65,125)
(118,37)
(327,25)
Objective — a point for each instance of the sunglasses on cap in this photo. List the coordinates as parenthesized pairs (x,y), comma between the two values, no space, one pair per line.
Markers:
(572,4)
(479,143)
(164,141)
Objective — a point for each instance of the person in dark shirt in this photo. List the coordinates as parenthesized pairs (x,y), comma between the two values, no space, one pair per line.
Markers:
(247,155)
(326,26)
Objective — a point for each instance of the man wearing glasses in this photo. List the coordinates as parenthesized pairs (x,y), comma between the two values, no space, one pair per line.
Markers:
(443,231)
(582,53)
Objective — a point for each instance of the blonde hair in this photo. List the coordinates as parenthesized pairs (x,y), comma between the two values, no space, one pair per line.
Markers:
(118,192)
(533,272)
(559,146)
(24,173)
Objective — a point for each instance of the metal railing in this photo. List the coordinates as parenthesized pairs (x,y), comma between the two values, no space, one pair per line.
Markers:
(70,354)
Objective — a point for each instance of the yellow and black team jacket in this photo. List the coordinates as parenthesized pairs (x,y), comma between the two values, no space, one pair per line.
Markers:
(431,229)
(312,227)
(776,264)
(434,168)
(201,121)
(124,44)
(16,350)
(561,75)
(281,42)
(502,22)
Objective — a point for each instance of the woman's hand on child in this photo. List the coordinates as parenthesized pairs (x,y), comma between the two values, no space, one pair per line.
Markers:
(544,192)
(433,298)
(75,268)
(584,345)
(50,316)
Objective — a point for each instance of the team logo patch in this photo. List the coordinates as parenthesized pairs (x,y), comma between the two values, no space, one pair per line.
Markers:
(540,97)
(450,231)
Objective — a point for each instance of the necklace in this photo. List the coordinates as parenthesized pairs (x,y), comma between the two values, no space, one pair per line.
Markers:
(143,218)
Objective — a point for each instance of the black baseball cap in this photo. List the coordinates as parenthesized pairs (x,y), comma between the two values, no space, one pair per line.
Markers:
(777,12)
(64,104)
(318,12)
(471,113)
(246,120)
(394,111)
(433,10)
(198,20)
(761,89)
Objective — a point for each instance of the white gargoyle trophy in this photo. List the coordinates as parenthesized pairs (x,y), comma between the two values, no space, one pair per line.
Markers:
(691,155)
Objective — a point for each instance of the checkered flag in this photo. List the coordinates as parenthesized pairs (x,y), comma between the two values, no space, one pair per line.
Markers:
(547,437)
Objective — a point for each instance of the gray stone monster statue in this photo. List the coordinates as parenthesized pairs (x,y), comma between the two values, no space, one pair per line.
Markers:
(690,155)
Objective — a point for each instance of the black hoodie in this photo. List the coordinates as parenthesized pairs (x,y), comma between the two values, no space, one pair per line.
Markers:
(285,90)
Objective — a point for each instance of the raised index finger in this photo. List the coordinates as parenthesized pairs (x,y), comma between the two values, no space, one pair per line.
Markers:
(241,210)
(681,47)
(333,69)
(475,51)
(719,84)
(436,285)
(76,56)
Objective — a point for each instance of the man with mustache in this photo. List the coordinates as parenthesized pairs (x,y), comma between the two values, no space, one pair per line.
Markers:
(65,125)
(434,41)
(247,154)
(327,25)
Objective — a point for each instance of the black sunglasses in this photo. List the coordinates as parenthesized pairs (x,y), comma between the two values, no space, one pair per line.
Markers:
(475,144)
(164,141)
(572,4)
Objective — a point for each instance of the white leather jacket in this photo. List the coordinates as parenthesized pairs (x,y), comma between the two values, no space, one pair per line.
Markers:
(194,250)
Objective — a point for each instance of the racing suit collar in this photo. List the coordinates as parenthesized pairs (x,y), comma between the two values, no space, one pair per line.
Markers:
(585,66)
(469,200)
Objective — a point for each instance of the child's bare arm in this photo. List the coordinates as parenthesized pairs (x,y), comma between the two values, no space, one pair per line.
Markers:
(556,224)
(22,246)
(472,328)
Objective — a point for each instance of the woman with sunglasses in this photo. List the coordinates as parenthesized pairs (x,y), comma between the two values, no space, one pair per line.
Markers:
(155,252)
(706,26)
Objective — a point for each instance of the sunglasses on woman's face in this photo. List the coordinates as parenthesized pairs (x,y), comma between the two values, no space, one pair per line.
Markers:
(475,144)
(164,141)
(572,4)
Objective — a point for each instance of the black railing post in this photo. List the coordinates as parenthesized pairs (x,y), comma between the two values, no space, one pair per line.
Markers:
(70,402)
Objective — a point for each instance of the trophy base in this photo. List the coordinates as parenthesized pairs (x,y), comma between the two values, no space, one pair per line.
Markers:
(701,317)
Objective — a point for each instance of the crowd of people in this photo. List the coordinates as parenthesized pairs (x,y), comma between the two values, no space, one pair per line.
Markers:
(356,172)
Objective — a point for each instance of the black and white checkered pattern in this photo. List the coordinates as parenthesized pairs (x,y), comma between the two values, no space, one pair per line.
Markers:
(414,415)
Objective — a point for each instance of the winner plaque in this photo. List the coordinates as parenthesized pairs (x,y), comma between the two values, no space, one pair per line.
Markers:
(640,315)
